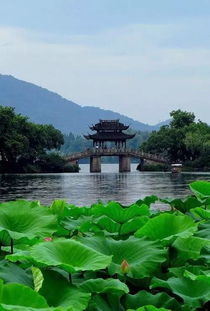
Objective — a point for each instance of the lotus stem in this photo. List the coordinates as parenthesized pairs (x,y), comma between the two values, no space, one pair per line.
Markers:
(12,246)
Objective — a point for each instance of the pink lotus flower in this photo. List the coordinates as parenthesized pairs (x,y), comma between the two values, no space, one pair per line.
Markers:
(48,239)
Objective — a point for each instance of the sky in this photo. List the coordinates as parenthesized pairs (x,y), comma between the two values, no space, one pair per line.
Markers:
(142,58)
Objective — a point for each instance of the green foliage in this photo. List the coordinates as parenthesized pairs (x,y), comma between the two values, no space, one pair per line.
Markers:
(182,140)
(106,257)
(23,143)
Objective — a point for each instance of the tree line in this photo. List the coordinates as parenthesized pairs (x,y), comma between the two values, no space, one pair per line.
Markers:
(184,140)
(29,147)
(25,146)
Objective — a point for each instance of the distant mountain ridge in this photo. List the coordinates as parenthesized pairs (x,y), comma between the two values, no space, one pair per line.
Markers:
(46,107)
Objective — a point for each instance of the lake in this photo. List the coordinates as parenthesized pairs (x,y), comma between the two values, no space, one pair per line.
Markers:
(84,188)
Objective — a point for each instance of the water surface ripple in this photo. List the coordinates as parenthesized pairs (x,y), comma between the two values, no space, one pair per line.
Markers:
(84,188)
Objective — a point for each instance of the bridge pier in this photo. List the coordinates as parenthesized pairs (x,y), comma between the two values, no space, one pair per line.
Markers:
(124,163)
(95,164)
(140,166)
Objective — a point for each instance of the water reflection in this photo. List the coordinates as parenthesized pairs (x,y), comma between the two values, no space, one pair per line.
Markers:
(85,188)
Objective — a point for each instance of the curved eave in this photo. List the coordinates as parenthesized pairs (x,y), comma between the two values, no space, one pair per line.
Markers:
(87,136)
(131,136)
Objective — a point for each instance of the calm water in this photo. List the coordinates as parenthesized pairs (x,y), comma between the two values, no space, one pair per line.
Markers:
(84,188)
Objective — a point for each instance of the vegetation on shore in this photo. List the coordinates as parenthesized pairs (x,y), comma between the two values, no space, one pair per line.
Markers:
(183,140)
(25,146)
(107,257)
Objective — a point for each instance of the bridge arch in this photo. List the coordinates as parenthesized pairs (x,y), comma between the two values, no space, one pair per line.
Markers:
(124,155)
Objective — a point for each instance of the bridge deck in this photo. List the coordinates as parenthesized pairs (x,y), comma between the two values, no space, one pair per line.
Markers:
(116,152)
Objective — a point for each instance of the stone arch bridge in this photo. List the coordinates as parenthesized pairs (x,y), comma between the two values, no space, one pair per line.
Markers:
(124,157)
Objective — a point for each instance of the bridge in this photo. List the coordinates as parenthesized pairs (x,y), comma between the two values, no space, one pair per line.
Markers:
(124,155)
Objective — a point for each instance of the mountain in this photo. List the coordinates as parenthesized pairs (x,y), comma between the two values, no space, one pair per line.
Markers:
(46,107)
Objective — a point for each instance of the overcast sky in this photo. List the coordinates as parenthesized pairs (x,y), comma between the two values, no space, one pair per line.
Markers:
(142,58)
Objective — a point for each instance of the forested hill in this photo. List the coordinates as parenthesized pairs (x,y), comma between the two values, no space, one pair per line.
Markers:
(45,107)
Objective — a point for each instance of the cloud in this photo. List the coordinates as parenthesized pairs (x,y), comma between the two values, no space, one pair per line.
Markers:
(138,70)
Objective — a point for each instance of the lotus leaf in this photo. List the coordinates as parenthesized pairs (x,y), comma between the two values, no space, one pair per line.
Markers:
(105,286)
(181,271)
(121,214)
(144,298)
(59,208)
(201,189)
(204,230)
(188,248)
(149,308)
(148,200)
(133,224)
(60,293)
(200,212)
(27,222)
(20,295)
(69,255)
(167,227)
(83,223)
(183,205)
(144,257)
(12,273)
(195,292)
(20,204)
(103,302)
(37,278)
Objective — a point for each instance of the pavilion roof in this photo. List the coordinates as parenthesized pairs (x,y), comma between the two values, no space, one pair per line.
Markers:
(109,125)
(109,136)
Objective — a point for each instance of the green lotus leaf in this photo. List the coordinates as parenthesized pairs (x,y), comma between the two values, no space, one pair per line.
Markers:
(60,293)
(69,255)
(205,254)
(200,212)
(22,256)
(149,308)
(26,222)
(133,224)
(181,271)
(82,224)
(105,302)
(143,257)
(166,227)
(188,248)
(4,307)
(148,200)
(144,298)
(204,230)
(105,286)
(76,212)
(201,188)
(20,295)
(120,214)
(5,238)
(195,293)
(183,205)
(37,278)
(106,223)
(20,204)
(59,208)
(12,273)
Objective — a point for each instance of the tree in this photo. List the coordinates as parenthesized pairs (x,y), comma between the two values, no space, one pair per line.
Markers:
(23,142)
(181,118)
(183,139)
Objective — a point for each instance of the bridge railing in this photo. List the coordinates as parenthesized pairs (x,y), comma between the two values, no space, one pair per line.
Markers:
(116,151)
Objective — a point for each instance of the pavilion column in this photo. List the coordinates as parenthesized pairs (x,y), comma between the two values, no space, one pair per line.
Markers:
(124,163)
(95,164)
